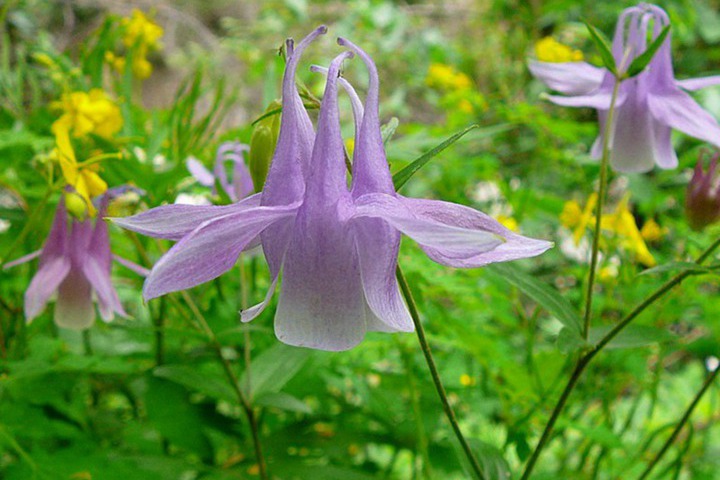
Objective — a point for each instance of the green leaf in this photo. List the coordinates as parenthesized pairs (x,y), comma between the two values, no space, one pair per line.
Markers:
(274,368)
(678,267)
(388,130)
(632,336)
(193,378)
(603,46)
(401,177)
(491,460)
(569,341)
(283,401)
(642,60)
(545,295)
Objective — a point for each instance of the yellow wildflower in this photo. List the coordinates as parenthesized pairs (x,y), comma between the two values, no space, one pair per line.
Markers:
(576,218)
(508,222)
(84,179)
(88,112)
(446,77)
(608,273)
(622,223)
(142,34)
(652,232)
(550,50)
(466,380)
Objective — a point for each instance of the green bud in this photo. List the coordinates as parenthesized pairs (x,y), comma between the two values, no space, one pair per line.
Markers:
(75,205)
(262,144)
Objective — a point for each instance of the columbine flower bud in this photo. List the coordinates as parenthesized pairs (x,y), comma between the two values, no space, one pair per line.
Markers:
(702,202)
(262,145)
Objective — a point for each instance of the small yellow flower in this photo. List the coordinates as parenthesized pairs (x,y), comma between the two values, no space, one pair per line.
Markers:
(622,223)
(508,222)
(576,218)
(608,273)
(466,380)
(445,77)
(652,232)
(88,112)
(550,50)
(143,35)
(85,180)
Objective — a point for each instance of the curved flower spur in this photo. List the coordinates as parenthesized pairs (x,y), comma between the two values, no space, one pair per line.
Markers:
(337,247)
(648,106)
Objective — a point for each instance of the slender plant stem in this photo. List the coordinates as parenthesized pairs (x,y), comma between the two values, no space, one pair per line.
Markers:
(585,359)
(235,383)
(599,209)
(159,322)
(449,413)
(217,348)
(247,346)
(678,428)
(28,226)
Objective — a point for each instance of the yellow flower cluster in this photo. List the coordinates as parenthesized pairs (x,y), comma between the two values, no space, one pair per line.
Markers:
(621,223)
(446,77)
(88,113)
(143,36)
(84,113)
(550,50)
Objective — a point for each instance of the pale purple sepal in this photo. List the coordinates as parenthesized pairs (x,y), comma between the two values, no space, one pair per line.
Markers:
(568,78)
(232,153)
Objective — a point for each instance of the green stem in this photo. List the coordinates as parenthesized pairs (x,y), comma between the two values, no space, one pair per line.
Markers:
(159,322)
(678,428)
(234,382)
(449,413)
(585,360)
(598,210)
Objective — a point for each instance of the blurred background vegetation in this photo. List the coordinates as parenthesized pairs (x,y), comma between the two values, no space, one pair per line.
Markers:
(146,398)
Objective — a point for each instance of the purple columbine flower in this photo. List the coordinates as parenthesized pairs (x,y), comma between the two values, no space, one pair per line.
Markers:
(702,201)
(649,106)
(75,264)
(240,186)
(337,247)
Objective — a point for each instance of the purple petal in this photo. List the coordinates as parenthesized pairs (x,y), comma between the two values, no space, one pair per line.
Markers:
(698,83)
(45,282)
(666,156)
(139,269)
(377,247)
(357,106)
(321,302)
(633,143)
(210,249)
(56,243)
(285,182)
(569,78)
(371,172)
(678,110)
(251,313)
(74,307)
(98,274)
(599,100)
(173,222)
(201,174)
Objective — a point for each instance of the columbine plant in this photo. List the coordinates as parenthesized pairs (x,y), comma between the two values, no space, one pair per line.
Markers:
(337,248)
(241,184)
(648,106)
(75,264)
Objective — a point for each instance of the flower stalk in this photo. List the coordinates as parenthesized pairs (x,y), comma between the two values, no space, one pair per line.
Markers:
(447,408)
(585,360)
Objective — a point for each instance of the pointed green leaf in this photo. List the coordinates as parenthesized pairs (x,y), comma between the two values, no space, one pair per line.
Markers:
(679,267)
(388,130)
(603,46)
(632,336)
(274,368)
(283,401)
(545,295)
(194,379)
(401,177)
(642,60)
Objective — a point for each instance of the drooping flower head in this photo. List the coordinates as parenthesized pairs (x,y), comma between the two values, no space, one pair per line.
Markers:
(702,201)
(74,267)
(232,153)
(649,106)
(337,248)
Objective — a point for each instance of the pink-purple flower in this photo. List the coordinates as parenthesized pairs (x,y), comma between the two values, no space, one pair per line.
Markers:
(648,107)
(232,153)
(337,247)
(74,267)
(702,201)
